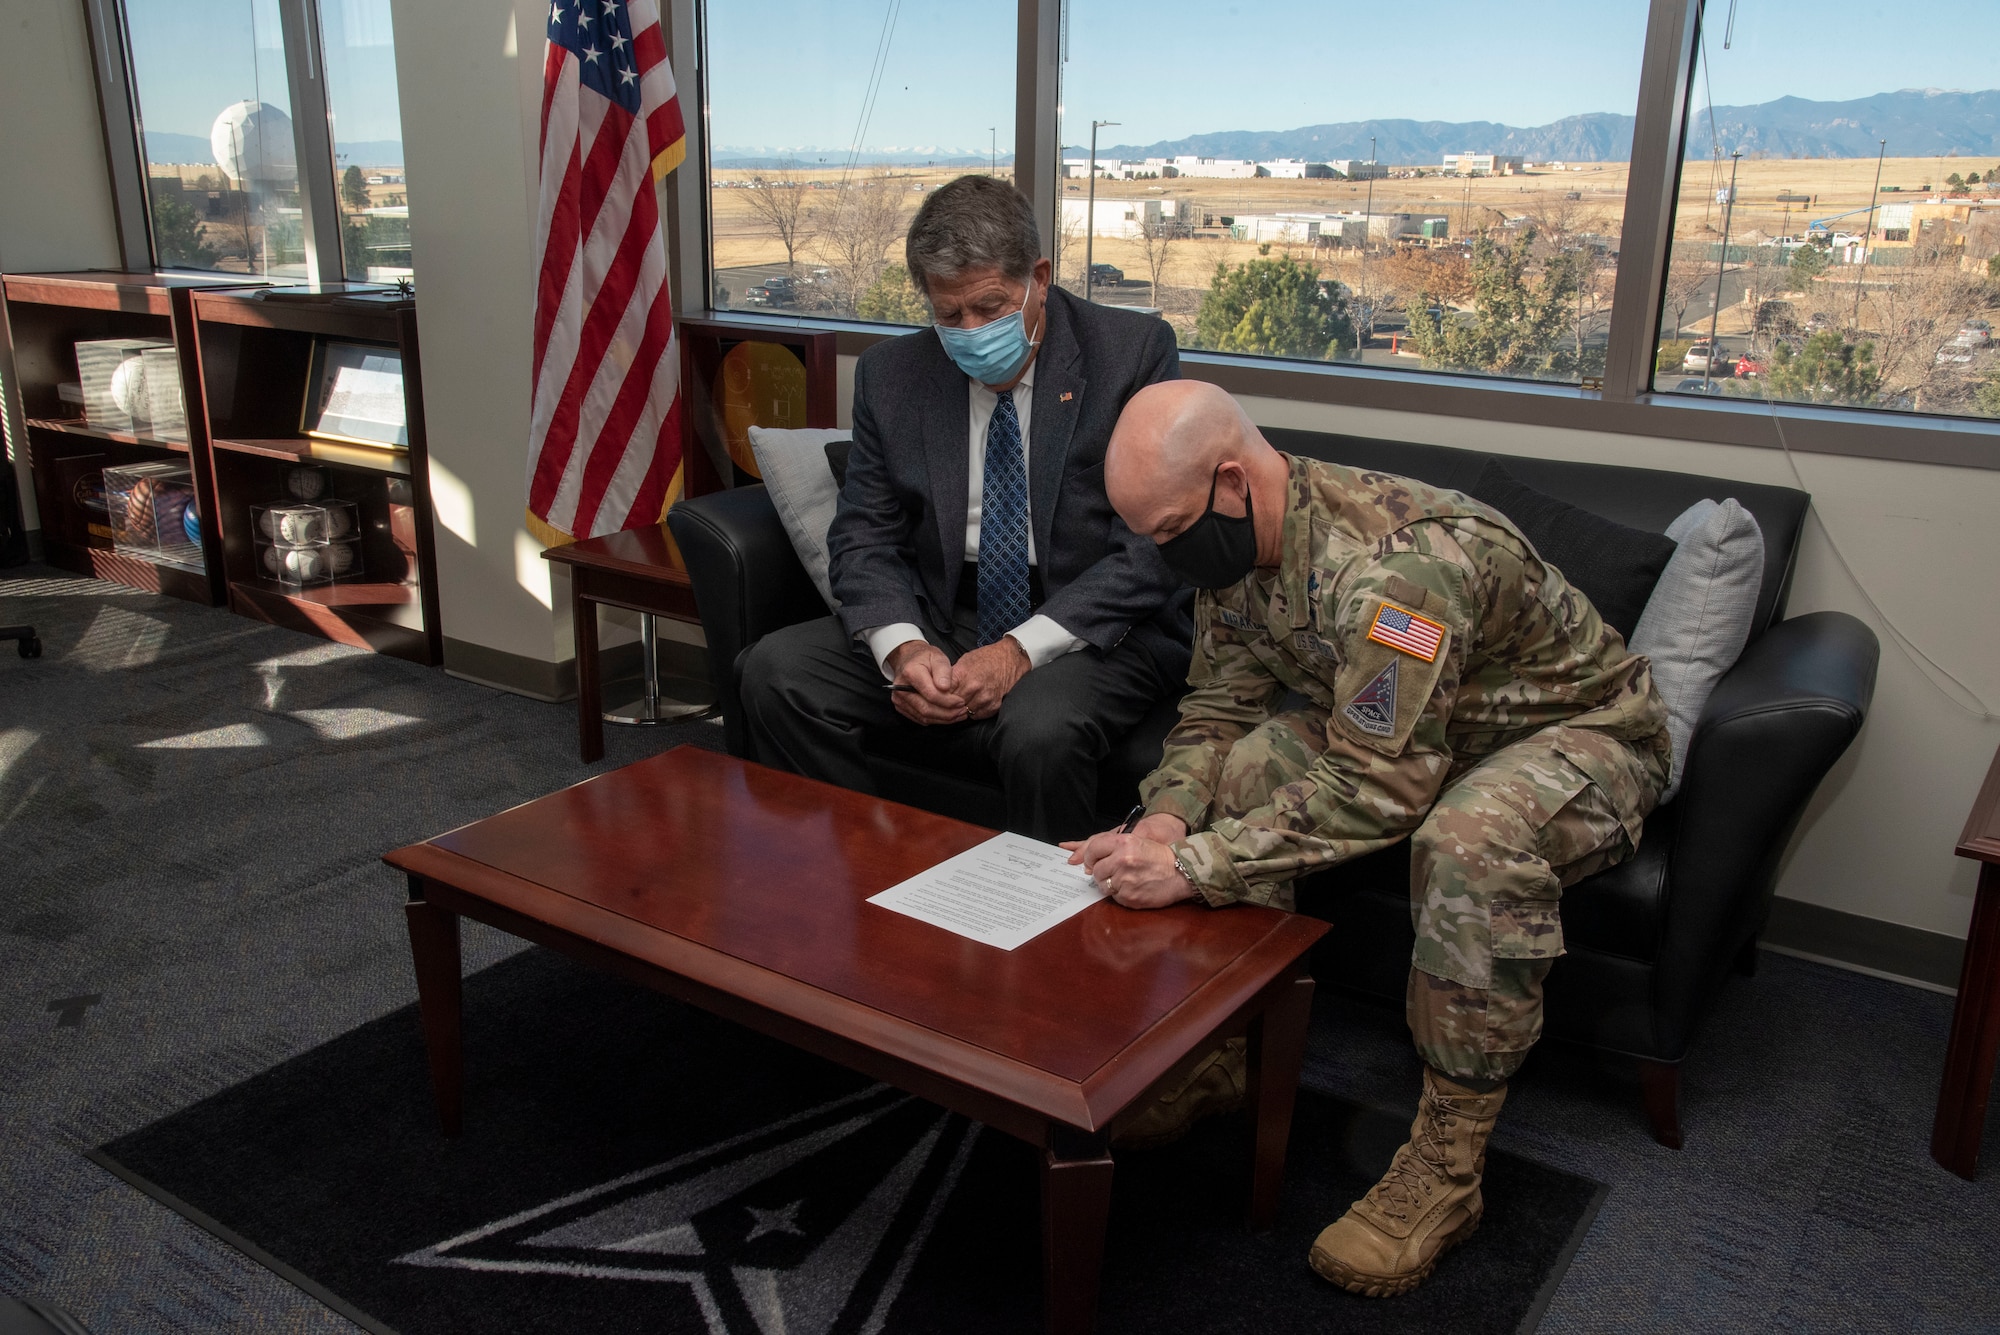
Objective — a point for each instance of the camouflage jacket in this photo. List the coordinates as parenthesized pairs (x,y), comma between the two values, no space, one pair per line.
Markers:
(1376,573)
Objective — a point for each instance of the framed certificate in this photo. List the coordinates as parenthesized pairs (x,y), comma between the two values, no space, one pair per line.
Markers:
(354,394)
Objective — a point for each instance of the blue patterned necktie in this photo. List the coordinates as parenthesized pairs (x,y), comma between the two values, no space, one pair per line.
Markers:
(1003,526)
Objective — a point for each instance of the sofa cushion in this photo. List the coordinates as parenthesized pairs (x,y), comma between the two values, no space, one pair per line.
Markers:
(796,471)
(1696,622)
(1647,498)
(1615,566)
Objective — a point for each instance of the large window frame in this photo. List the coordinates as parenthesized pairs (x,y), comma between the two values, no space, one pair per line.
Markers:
(312,135)
(1625,404)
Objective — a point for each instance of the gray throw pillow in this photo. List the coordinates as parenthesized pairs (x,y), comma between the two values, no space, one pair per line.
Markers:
(1698,619)
(795,471)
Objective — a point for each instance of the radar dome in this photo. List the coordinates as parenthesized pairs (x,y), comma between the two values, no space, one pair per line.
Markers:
(253,142)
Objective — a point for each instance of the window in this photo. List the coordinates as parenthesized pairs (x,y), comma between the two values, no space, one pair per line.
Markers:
(827,123)
(1850,228)
(216,135)
(212,89)
(367,139)
(1339,186)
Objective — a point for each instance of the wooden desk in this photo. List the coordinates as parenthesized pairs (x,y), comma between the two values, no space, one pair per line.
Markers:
(631,569)
(1975,1024)
(741,890)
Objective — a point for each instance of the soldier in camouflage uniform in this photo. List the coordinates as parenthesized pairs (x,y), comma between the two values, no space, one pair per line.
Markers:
(1456,691)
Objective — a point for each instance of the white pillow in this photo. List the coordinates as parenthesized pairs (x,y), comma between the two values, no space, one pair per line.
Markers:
(795,471)
(1695,624)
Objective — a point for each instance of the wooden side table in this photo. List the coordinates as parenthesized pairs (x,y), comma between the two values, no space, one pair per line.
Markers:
(1975,1024)
(633,569)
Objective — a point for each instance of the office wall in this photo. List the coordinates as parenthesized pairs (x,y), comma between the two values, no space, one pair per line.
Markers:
(55,194)
(468,75)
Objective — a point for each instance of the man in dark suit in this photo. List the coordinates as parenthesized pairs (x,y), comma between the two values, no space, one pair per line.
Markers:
(989,595)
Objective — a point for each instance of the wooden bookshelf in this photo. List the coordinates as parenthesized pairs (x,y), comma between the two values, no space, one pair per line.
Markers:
(47,315)
(243,361)
(253,357)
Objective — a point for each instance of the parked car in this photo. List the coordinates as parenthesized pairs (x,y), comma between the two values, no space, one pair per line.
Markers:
(1748,366)
(1697,386)
(1973,334)
(1106,275)
(771,292)
(1697,359)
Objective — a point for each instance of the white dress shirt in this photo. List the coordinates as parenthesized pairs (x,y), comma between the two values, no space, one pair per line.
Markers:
(1040,637)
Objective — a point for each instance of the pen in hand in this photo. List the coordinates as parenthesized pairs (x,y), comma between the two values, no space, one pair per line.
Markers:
(1132,819)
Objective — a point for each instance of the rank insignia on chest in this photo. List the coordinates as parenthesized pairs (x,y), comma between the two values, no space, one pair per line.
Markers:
(1235,620)
(1373,708)
(1403,630)
(1313,644)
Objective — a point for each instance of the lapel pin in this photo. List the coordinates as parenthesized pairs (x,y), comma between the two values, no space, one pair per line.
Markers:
(1067,396)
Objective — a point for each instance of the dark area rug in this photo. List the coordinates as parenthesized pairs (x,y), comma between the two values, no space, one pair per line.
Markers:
(632,1165)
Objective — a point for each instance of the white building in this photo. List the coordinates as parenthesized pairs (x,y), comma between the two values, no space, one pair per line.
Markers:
(1114,168)
(1187,164)
(1481,164)
(1335,229)
(1354,169)
(1121,218)
(1283,169)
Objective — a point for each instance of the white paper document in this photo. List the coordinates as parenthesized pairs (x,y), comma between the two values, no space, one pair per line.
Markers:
(1005,891)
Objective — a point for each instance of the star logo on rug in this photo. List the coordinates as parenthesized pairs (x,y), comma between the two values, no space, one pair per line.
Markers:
(777,1226)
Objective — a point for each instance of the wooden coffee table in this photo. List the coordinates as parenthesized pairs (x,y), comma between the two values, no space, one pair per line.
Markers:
(742,890)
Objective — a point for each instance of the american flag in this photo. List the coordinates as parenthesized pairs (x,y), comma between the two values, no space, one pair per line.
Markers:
(1407,631)
(604,441)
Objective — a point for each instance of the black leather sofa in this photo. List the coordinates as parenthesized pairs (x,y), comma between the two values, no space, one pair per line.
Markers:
(1648,942)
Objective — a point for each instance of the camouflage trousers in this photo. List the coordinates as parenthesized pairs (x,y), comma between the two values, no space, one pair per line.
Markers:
(1488,866)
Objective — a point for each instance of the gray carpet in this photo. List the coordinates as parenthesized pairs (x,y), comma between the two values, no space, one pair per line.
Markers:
(191,809)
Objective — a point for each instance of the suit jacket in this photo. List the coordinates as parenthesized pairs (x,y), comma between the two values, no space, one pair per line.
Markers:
(898,539)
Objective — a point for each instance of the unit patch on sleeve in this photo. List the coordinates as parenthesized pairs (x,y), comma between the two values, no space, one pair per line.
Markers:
(1406,631)
(1373,708)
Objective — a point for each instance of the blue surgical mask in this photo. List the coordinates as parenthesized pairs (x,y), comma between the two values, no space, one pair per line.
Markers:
(995,352)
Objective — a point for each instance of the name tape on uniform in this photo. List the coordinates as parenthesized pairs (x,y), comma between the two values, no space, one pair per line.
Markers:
(1405,630)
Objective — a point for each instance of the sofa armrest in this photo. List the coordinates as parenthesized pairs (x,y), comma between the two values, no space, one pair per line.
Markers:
(747,583)
(1773,727)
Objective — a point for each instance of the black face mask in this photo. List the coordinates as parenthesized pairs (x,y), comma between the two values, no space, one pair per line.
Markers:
(1216,550)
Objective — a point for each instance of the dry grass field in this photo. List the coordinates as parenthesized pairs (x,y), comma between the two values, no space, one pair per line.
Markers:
(741,238)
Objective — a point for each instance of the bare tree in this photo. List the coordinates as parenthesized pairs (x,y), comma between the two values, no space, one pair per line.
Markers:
(1685,279)
(779,201)
(1069,250)
(1912,313)
(1156,240)
(854,238)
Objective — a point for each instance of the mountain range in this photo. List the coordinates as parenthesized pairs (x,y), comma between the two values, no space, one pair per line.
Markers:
(1924,122)
(166,146)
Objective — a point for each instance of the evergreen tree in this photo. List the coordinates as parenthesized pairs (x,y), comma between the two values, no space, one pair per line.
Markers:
(177,234)
(1828,369)
(1808,263)
(1276,307)
(893,299)
(353,190)
(1520,315)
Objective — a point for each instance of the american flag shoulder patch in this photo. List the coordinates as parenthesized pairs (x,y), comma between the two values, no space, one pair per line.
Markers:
(1402,629)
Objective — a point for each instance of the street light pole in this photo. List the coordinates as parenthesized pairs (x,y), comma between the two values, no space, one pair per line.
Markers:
(992,150)
(1368,232)
(1868,237)
(1715,316)
(1090,208)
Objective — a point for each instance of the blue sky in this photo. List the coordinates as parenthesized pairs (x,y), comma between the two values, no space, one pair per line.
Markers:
(193,58)
(790,72)
(794,72)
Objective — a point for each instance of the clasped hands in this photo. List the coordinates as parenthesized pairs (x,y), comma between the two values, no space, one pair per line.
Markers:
(942,691)
(1136,869)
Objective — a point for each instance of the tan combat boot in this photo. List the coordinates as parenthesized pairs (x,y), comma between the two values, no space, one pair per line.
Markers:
(1217,1085)
(1425,1205)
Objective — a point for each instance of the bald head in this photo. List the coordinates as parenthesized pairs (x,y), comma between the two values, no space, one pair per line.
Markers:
(1171,441)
